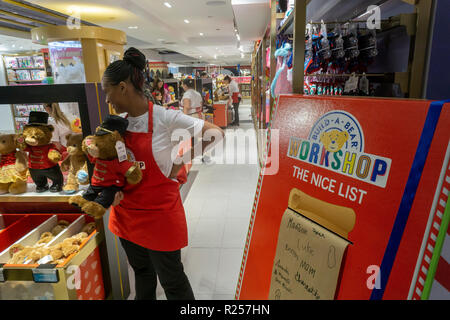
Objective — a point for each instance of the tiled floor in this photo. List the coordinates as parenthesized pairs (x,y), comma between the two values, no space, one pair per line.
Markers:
(218,208)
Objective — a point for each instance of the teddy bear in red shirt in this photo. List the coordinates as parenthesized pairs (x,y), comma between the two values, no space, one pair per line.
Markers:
(111,169)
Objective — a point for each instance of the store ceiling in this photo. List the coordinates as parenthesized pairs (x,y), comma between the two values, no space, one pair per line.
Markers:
(209,37)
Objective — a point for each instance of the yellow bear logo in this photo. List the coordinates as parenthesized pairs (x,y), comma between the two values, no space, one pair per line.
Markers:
(334,140)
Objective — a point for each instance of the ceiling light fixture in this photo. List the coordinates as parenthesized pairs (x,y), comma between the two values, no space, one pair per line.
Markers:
(132,27)
(186,21)
(168,5)
(201,33)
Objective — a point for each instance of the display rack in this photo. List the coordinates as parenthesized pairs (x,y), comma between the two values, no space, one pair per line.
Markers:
(398,70)
(98,254)
(25,68)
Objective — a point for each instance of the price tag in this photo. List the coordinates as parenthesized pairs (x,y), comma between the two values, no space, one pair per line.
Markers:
(2,274)
(121,151)
(45,273)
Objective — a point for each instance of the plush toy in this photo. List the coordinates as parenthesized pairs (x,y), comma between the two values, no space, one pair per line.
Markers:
(75,125)
(62,224)
(89,228)
(75,162)
(106,150)
(56,254)
(13,166)
(172,94)
(43,156)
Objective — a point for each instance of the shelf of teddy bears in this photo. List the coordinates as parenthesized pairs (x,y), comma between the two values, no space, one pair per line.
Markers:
(39,253)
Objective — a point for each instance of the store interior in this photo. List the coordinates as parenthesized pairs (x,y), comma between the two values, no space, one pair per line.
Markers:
(380,67)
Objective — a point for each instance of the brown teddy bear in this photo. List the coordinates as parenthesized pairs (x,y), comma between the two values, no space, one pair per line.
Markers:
(75,162)
(110,174)
(61,225)
(43,156)
(334,140)
(13,166)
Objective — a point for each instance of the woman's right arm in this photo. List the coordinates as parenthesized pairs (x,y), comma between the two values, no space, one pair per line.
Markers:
(186,105)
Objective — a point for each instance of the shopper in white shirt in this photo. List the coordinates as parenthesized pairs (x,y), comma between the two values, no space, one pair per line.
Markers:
(61,124)
(235,97)
(149,218)
(192,101)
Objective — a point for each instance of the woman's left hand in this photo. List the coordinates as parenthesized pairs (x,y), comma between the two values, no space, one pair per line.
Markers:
(175,170)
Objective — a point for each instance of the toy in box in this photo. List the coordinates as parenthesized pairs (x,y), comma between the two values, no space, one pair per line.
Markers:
(11,62)
(11,75)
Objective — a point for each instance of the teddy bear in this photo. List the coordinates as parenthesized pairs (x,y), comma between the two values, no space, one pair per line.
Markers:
(89,228)
(75,162)
(334,140)
(58,252)
(43,155)
(60,226)
(106,150)
(13,165)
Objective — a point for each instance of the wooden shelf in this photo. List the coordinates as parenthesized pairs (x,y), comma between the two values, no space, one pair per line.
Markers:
(22,81)
(287,27)
(37,68)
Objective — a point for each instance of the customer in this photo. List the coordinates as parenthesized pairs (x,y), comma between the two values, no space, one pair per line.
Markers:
(235,97)
(192,101)
(149,218)
(159,86)
(61,124)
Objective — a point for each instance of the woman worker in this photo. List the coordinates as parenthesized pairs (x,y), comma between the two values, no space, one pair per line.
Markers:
(149,218)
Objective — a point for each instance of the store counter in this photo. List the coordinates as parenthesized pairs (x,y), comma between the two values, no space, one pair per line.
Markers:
(221,116)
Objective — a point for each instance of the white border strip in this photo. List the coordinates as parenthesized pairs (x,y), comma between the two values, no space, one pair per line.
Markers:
(430,221)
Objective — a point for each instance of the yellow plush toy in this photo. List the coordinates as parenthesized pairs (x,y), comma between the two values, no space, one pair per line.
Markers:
(172,94)
(13,166)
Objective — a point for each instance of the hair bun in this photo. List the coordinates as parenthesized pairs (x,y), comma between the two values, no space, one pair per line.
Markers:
(134,57)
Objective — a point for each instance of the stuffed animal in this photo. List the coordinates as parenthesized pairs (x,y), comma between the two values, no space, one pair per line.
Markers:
(106,150)
(75,162)
(43,156)
(13,166)
(89,228)
(172,94)
(62,224)
(75,125)
(58,252)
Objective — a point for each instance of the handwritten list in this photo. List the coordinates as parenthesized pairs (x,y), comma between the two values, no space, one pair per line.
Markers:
(307,260)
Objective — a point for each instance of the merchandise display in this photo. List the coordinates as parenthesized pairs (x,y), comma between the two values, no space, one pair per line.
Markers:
(25,68)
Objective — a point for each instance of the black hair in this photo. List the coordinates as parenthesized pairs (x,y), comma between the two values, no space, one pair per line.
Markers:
(189,83)
(227,78)
(131,67)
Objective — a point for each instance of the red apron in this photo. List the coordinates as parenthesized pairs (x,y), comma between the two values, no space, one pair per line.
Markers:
(151,213)
(235,97)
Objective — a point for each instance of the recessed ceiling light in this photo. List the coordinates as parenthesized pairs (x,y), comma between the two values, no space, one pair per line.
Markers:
(215,3)
(168,5)
(186,21)
(199,56)
(201,33)
(13,45)
(132,27)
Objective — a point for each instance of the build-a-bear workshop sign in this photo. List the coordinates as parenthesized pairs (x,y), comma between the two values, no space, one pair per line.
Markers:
(348,213)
